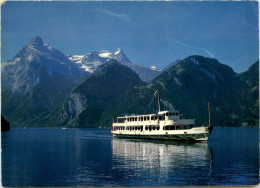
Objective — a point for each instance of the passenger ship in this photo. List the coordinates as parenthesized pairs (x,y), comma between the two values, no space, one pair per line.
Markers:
(168,125)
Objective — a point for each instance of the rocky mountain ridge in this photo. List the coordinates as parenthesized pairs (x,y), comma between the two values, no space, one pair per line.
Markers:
(93,60)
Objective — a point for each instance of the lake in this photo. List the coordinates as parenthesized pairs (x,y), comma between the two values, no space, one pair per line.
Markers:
(92,157)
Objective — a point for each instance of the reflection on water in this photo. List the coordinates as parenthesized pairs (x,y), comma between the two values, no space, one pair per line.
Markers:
(92,157)
(163,158)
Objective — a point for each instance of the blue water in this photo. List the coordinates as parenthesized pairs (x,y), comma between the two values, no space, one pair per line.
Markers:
(92,157)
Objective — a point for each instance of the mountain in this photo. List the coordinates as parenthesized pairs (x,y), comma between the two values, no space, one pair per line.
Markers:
(168,67)
(93,60)
(250,111)
(85,105)
(187,87)
(5,125)
(41,87)
(38,77)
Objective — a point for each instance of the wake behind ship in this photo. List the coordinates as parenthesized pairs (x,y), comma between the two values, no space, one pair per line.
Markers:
(169,125)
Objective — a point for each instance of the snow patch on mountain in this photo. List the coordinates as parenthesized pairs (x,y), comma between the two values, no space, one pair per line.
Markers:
(117,51)
(105,54)
(154,68)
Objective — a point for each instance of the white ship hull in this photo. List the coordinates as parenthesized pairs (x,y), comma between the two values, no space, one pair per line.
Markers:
(194,134)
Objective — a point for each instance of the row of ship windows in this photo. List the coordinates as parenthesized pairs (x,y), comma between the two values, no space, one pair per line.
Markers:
(147,118)
(150,127)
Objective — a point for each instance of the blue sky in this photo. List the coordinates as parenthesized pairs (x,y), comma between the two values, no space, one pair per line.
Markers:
(150,33)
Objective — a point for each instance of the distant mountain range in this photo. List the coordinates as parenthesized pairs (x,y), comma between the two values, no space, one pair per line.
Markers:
(42,87)
(93,60)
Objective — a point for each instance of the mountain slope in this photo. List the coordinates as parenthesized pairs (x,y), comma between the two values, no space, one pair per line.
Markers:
(187,87)
(250,111)
(87,102)
(37,78)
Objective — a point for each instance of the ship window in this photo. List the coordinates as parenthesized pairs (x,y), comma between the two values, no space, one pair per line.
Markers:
(146,128)
(135,119)
(177,113)
(153,128)
(156,117)
(161,118)
(157,128)
(167,114)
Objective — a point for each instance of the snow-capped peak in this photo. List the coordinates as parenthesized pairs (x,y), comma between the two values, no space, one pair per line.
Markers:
(105,53)
(154,68)
(118,50)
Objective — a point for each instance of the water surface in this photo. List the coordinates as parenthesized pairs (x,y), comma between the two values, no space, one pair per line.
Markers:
(92,157)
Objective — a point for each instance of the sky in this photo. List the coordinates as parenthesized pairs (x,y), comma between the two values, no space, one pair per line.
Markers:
(150,33)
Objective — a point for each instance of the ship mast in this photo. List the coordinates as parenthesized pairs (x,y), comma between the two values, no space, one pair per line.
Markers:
(157,92)
(209,113)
